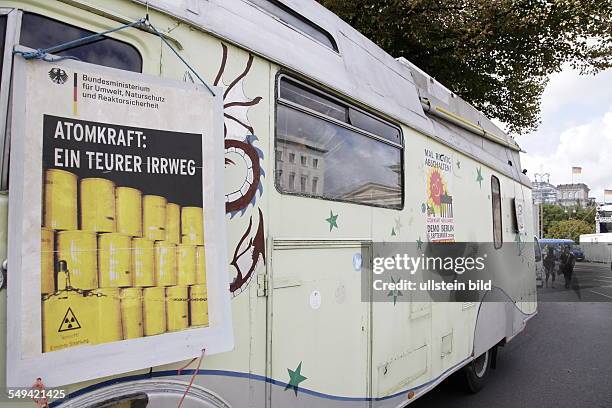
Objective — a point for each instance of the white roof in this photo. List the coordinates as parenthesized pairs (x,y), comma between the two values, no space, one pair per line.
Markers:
(360,70)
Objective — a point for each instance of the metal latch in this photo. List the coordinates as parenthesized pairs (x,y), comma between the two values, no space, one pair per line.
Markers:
(262,285)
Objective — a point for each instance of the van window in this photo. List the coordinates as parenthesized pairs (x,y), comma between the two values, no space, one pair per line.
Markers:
(312,99)
(497,212)
(295,20)
(370,124)
(42,32)
(348,163)
(308,98)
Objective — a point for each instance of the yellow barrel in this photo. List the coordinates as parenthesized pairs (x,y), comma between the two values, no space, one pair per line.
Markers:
(60,210)
(173,223)
(107,304)
(129,211)
(186,264)
(200,265)
(97,205)
(165,263)
(114,260)
(131,313)
(154,307)
(192,226)
(177,313)
(154,217)
(79,250)
(47,261)
(67,321)
(143,262)
(198,305)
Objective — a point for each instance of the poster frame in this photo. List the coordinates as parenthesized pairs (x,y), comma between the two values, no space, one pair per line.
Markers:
(88,362)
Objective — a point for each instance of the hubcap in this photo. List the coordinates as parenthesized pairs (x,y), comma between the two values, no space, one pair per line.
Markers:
(480,365)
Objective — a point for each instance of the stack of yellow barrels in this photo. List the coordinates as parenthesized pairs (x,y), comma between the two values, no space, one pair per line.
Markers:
(135,267)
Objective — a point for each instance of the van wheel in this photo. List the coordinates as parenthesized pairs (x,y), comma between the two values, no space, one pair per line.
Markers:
(477,371)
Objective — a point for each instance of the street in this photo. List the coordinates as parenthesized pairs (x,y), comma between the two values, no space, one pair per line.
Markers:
(562,359)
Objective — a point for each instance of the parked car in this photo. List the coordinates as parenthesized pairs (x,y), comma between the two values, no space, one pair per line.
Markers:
(577,251)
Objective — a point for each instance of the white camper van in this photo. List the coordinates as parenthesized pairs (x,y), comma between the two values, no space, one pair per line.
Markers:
(326,146)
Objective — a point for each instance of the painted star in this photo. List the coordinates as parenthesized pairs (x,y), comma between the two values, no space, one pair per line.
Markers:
(423,208)
(332,220)
(295,378)
(395,293)
(419,243)
(479,176)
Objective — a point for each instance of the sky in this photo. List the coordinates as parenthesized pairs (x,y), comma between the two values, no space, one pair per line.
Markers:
(576,130)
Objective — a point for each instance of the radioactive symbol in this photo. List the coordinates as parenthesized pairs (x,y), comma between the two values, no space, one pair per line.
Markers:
(69,322)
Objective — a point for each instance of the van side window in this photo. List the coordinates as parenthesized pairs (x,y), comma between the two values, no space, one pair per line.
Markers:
(354,162)
(497,212)
(298,22)
(42,32)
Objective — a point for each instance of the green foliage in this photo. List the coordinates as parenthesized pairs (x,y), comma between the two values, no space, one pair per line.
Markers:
(557,219)
(496,54)
(571,229)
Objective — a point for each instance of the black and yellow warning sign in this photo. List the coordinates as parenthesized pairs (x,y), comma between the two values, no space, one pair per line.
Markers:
(69,322)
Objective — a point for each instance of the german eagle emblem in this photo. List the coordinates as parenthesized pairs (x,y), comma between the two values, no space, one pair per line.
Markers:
(58,75)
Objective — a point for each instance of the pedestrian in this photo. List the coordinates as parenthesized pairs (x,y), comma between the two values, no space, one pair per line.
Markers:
(549,265)
(566,266)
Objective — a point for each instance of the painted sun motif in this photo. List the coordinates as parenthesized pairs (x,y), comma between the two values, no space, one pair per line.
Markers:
(244,173)
(436,188)
(243,159)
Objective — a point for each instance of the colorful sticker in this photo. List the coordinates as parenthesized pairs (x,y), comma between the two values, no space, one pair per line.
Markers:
(440,220)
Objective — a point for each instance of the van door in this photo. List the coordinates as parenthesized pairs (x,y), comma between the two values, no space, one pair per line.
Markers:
(320,331)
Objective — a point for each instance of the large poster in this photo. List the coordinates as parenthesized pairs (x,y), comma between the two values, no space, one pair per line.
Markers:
(121,173)
(440,219)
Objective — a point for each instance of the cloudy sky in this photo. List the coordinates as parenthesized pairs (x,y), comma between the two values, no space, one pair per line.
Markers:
(576,130)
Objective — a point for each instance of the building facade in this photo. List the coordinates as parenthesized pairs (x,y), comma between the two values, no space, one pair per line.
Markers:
(569,195)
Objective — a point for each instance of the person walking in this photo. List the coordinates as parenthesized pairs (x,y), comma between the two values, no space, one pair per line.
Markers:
(566,266)
(549,265)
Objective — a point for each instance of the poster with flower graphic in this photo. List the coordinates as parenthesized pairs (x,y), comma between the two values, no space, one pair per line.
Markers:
(440,219)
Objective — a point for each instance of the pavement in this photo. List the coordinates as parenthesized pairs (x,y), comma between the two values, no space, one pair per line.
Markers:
(562,359)
(591,282)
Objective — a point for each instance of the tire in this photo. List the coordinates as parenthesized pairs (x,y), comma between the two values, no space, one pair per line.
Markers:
(477,371)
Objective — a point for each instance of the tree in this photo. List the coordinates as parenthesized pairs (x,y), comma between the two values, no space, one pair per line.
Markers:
(552,214)
(569,229)
(496,54)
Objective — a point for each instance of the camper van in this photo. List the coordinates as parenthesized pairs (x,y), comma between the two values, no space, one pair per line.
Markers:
(330,145)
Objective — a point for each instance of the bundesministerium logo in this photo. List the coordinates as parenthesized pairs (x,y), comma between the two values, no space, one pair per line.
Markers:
(58,75)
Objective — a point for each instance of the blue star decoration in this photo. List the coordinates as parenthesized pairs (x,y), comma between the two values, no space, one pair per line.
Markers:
(332,220)
(479,176)
(295,378)
(419,243)
(395,293)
